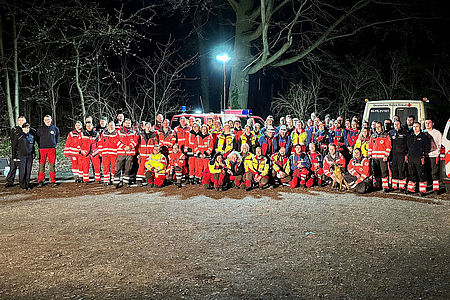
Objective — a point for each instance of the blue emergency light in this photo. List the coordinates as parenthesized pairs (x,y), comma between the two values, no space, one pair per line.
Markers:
(183,108)
(246,111)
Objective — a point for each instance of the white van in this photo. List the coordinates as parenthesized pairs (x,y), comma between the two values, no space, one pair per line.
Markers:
(380,110)
(444,161)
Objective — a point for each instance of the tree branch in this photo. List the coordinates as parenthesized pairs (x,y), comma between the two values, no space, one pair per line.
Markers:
(359,5)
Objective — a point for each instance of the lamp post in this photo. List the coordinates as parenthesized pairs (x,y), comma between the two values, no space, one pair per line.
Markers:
(224,58)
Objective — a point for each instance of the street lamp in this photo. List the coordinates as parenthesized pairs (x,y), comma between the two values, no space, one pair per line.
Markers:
(224,58)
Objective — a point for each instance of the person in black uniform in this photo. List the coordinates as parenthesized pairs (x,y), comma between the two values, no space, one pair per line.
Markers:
(399,150)
(26,153)
(14,164)
(418,146)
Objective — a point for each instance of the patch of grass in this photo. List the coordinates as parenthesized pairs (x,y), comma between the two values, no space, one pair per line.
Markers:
(5,147)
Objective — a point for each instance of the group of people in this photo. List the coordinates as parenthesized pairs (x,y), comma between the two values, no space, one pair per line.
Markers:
(386,155)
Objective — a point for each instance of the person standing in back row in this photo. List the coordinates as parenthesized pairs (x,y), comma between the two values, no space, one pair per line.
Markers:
(15,162)
(435,137)
(47,137)
(418,146)
(26,154)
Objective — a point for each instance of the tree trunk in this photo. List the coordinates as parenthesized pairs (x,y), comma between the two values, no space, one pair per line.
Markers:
(77,80)
(204,73)
(204,61)
(53,100)
(239,81)
(16,68)
(6,74)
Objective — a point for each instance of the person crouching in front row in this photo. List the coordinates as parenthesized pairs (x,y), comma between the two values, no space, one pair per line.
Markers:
(156,168)
(216,172)
(358,174)
(235,169)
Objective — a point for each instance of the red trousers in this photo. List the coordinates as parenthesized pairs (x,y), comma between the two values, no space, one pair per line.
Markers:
(201,165)
(45,154)
(86,162)
(141,171)
(192,166)
(299,174)
(157,179)
(237,179)
(76,167)
(109,162)
(216,178)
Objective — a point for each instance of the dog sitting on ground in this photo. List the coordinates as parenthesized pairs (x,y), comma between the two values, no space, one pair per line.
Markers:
(339,179)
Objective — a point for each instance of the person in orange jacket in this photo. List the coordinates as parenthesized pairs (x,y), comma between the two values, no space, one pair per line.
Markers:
(177,165)
(358,175)
(108,151)
(72,151)
(379,150)
(203,151)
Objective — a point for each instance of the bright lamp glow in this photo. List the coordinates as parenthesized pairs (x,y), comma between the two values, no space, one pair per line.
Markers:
(223,57)
(198,111)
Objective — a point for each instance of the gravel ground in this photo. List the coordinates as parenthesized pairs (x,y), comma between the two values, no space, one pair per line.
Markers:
(68,242)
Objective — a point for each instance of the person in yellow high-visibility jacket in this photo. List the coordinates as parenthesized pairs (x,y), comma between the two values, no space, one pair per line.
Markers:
(258,171)
(156,168)
(247,157)
(225,142)
(217,171)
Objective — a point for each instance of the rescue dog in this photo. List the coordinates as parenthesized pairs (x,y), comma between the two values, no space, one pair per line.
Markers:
(339,179)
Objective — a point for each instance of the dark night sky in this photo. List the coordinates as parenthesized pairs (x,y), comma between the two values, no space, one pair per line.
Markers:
(424,39)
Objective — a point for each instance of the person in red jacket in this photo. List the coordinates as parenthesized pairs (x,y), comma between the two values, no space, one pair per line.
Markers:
(182,134)
(107,146)
(358,172)
(167,138)
(72,151)
(237,132)
(147,141)
(127,141)
(379,150)
(316,160)
(203,150)
(333,158)
(177,165)
(191,146)
(89,153)
(300,166)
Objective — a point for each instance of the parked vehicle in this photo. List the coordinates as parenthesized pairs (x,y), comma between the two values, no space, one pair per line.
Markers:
(225,116)
(444,161)
(379,110)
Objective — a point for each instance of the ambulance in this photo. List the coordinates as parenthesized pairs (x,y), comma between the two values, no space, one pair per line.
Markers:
(229,114)
(380,110)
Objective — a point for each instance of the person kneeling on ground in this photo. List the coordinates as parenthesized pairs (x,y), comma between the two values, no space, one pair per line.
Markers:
(156,168)
(177,165)
(300,166)
(235,168)
(216,172)
(281,167)
(358,172)
(316,160)
(258,171)
(333,160)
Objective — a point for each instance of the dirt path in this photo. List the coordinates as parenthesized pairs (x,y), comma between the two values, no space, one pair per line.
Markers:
(57,243)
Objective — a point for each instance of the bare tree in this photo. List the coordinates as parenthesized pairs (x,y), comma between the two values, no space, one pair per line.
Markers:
(159,83)
(299,100)
(392,80)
